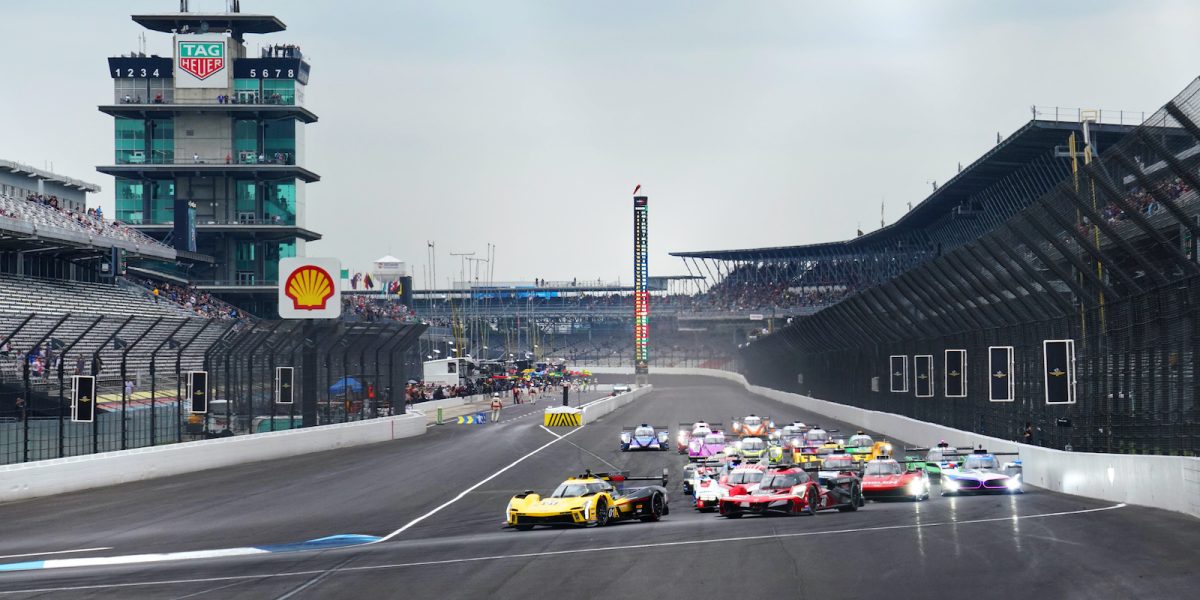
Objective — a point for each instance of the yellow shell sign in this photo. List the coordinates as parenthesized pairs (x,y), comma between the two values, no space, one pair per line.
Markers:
(309,288)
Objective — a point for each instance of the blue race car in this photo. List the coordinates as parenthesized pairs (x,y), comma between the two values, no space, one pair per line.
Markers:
(981,473)
(644,437)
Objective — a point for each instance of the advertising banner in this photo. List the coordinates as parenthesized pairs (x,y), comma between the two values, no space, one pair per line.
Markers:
(201,61)
(309,288)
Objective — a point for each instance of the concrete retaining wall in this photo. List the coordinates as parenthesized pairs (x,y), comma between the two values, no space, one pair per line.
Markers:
(1169,482)
(598,408)
(48,477)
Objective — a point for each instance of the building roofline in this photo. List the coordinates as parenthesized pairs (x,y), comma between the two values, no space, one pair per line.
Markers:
(16,167)
(940,199)
(234,23)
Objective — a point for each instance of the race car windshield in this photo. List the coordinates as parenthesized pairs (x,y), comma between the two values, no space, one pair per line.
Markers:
(839,462)
(883,468)
(817,435)
(743,477)
(860,441)
(752,421)
(570,490)
(779,481)
(714,439)
(982,463)
(644,432)
(752,444)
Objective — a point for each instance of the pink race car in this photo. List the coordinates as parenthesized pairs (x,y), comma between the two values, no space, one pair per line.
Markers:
(707,446)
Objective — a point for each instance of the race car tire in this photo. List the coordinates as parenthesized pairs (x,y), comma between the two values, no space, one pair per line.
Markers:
(522,527)
(656,509)
(810,502)
(601,512)
(855,498)
(687,489)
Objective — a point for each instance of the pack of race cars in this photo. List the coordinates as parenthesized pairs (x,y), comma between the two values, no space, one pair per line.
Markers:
(757,468)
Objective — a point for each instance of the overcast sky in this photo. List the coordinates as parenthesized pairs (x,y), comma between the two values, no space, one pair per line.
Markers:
(528,124)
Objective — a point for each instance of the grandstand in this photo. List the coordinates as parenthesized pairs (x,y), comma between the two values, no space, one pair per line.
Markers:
(801,280)
(1105,254)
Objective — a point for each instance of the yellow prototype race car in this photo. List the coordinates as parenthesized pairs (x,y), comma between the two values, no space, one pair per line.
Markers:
(590,499)
(864,449)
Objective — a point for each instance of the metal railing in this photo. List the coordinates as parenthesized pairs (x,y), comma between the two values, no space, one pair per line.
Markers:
(1063,114)
(141,367)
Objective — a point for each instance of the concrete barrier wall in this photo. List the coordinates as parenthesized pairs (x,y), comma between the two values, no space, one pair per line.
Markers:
(1169,482)
(48,477)
(598,408)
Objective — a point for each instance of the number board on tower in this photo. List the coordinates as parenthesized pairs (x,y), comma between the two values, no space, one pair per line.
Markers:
(140,67)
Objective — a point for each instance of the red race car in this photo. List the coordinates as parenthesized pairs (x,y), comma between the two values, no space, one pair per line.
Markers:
(888,478)
(792,491)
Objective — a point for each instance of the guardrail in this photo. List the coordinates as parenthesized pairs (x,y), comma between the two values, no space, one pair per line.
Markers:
(58,476)
(1168,482)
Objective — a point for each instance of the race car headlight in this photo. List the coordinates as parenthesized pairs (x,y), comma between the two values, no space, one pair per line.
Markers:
(1013,483)
(950,484)
(625,438)
(587,509)
(916,486)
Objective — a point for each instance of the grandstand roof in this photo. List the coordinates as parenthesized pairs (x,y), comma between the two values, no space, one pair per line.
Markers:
(35,173)
(1034,139)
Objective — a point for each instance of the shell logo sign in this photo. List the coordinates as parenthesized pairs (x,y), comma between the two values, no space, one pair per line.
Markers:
(309,288)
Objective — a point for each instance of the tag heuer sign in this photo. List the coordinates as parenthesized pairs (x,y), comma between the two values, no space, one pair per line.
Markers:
(201,61)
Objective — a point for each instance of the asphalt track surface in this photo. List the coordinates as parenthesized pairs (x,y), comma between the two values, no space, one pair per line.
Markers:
(1036,545)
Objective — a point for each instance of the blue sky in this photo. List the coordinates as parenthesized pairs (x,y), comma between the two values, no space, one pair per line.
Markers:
(527,124)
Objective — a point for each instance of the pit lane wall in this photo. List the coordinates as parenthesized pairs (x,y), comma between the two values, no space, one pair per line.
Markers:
(1169,482)
(48,477)
(598,408)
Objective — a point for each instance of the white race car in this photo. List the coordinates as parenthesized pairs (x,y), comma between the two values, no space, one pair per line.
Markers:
(741,479)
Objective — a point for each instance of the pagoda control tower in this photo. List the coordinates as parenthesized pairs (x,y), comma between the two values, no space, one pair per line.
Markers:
(209,151)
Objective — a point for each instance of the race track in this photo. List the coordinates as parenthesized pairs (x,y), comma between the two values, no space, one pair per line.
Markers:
(444,543)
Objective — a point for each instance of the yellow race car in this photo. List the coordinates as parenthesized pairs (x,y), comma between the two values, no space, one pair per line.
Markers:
(590,499)
(864,449)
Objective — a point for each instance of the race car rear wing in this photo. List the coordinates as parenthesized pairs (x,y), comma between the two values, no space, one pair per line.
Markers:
(620,477)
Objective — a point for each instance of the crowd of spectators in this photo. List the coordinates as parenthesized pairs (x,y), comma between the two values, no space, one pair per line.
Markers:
(201,303)
(48,210)
(1143,201)
(362,308)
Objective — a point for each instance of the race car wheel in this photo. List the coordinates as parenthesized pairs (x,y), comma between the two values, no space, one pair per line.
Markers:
(810,500)
(732,514)
(656,509)
(601,512)
(855,499)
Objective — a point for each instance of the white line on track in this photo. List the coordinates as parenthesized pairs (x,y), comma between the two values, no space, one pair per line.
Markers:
(547,430)
(56,552)
(752,538)
(463,493)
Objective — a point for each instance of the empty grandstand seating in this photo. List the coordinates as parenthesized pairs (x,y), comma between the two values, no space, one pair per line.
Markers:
(26,295)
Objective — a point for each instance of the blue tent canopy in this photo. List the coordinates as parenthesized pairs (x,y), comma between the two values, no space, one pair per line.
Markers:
(346,382)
